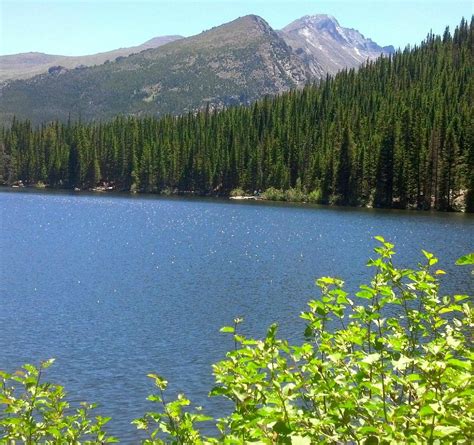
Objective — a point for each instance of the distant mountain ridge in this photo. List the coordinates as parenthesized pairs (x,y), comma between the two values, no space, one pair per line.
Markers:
(26,65)
(234,63)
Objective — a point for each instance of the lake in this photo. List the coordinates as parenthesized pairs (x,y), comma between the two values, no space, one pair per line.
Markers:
(117,286)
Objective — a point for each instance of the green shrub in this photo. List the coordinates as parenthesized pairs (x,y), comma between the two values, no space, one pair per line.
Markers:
(237,192)
(374,378)
(295,195)
(273,194)
(316,196)
(391,364)
(167,191)
(36,412)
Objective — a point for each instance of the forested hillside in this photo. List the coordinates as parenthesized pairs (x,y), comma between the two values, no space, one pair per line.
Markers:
(232,64)
(396,133)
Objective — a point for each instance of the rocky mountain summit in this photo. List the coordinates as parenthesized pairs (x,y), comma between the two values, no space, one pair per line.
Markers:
(327,47)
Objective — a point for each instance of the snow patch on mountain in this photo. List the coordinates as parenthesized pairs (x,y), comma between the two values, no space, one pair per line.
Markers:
(320,40)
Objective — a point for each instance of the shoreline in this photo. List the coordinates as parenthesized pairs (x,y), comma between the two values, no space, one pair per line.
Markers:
(99,191)
(248,198)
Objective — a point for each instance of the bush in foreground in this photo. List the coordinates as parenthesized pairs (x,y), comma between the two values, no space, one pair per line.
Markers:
(37,412)
(373,377)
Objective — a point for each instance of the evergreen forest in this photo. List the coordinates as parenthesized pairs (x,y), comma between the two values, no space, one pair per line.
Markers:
(398,132)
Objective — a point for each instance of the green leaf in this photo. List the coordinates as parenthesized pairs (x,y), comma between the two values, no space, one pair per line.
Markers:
(456,363)
(371,440)
(30,368)
(300,440)
(371,358)
(46,364)
(428,255)
(443,431)
(426,411)
(413,377)
(368,429)
(227,329)
(326,281)
(365,294)
(465,260)
(281,427)
(458,298)
(160,382)
(308,331)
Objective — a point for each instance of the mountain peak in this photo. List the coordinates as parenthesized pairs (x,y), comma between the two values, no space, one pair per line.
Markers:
(253,17)
(315,21)
(323,19)
(321,39)
(237,33)
(250,21)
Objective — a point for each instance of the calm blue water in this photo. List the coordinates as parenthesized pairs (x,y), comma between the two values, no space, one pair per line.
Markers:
(115,287)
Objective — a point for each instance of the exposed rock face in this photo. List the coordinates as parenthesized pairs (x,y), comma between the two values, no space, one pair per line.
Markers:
(326,47)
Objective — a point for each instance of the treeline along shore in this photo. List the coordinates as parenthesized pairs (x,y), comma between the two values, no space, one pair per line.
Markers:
(396,133)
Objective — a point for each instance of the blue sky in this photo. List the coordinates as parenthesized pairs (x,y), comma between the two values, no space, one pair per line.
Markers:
(72,27)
